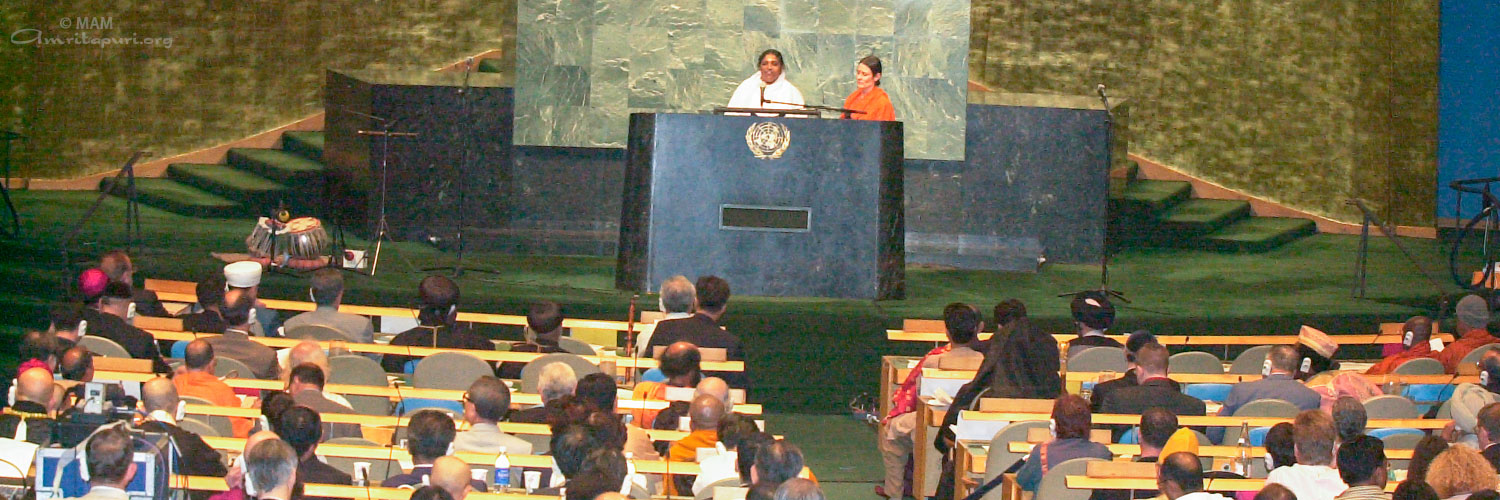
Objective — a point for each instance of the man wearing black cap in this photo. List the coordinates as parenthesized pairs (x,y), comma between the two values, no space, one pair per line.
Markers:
(1133,345)
(439,324)
(1473,316)
(1093,314)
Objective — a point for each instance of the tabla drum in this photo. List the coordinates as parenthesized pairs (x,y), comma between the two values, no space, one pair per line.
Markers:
(300,238)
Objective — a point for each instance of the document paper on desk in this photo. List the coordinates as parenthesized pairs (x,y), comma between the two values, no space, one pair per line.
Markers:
(931,386)
(977,430)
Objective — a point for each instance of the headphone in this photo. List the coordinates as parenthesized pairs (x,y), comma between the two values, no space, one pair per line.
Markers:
(1265,368)
(1052,427)
(1484,377)
(1406,339)
(250,489)
(83,327)
(1307,365)
(130,311)
(181,410)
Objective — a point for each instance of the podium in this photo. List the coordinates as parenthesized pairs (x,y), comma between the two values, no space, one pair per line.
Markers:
(777,206)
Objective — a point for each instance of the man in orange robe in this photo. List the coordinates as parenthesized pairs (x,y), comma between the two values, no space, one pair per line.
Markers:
(197,380)
(1473,315)
(1415,336)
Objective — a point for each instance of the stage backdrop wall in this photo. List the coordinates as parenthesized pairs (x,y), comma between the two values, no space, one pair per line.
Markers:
(583,66)
(231,69)
(1304,102)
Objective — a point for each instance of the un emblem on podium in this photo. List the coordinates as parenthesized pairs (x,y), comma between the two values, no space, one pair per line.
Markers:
(768,140)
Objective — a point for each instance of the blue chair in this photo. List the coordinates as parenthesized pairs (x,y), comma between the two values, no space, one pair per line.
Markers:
(1392,431)
(654,375)
(409,405)
(1258,436)
(179,349)
(1427,395)
(1208,392)
(1131,436)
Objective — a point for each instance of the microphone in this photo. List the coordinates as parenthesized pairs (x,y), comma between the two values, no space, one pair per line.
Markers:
(762,93)
(468,66)
(1101,92)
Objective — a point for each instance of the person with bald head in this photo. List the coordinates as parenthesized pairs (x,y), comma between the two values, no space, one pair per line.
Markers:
(681,364)
(195,378)
(453,475)
(718,388)
(1415,334)
(235,343)
(309,351)
(34,406)
(159,397)
(77,364)
(1180,477)
(703,420)
(438,299)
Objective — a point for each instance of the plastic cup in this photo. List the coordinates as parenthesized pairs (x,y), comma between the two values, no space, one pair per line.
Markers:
(533,480)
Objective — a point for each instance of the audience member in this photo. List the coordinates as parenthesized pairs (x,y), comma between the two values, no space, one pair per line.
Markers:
(485,405)
(110,322)
(1473,316)
(719,389)
(1157,426)
(306,388)
(1316,350)
(1130,378)
(1421,458)
(1469,398)
(776,463)
(77,364)
(680,364)
(1350,384)
(110,464)
(1349,418)
(963,324)
(235,480)
(235,343)
(543,332)
(604,471)
(733,430)
(327,293)
(38,350)
(600,391)
(302,428)
(1154,389)
(678,299)
(271,471)
(272,405)
(210,317)
(703,421)
(309,351)
(1281,448)
(117,266)
(431,493)
(454,476)
(1414,490)
(1488,433)
(1362,466)
(159,397)
(1277,383)
(1459,471)
(555,381)
(34,405)
(799,489)
(429,435)
(1415,336)
(570,445)
(91,283)
(703,328)
(438,317)
(1311,478)
(196,379)
(244,277)
(1275,492)
(1093,314)
(1071,424)
(749,449)
(1180,477)
(67,325)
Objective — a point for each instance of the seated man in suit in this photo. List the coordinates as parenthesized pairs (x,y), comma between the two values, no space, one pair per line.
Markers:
(438,315)
(65,322)
(210,317)
(1155,389)
(702,328)
(1157,426)
(1128,379)
(306,387)
(34,405)
(271,465)
(1416,334)
(117,266)
(556,380)
(1363,465)
(543,331)
(159,397)
(328,292)
(110,321)
(302,428)
(1488,433)
(1277,383)
(235,343)
(486,403)
(678,299)
(1093,314)
(309,351)
(110,463)
(428,436)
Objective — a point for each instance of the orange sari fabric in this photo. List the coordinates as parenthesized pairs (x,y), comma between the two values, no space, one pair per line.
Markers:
(875,104)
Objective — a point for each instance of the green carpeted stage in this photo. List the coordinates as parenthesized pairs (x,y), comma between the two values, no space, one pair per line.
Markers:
(805,355)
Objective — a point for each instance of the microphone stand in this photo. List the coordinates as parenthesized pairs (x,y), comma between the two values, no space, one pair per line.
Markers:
(1109,151)
(814,107)
(15,220)
(457,269)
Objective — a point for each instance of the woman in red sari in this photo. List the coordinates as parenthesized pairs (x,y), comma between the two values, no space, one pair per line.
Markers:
(868,97)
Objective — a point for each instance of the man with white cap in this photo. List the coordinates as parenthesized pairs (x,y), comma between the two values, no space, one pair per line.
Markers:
(1473,315)
(245,276)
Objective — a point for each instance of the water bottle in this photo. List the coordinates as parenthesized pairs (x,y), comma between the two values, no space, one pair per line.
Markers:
(1243,462)
(629,474)
(502,472)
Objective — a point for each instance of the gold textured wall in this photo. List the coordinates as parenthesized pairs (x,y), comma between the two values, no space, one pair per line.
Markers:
(212,72)
(1304,102)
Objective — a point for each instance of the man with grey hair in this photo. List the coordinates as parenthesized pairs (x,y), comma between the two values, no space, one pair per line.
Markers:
(270,470)
(110,465)
(679,298)
(799,489)
(486,403)
(1473,315)
(1349,418)
(556,380)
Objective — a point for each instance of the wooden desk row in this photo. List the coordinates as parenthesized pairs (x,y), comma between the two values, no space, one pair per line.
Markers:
(414,351)
(1390,333)
(236,445)
(1188,420)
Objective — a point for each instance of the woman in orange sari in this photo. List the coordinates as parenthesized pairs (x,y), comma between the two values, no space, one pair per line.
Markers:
(868,98)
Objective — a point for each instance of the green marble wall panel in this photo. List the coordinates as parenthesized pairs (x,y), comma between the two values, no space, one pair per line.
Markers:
(689,55)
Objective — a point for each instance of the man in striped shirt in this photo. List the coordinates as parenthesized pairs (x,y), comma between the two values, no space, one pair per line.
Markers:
(1362,466)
